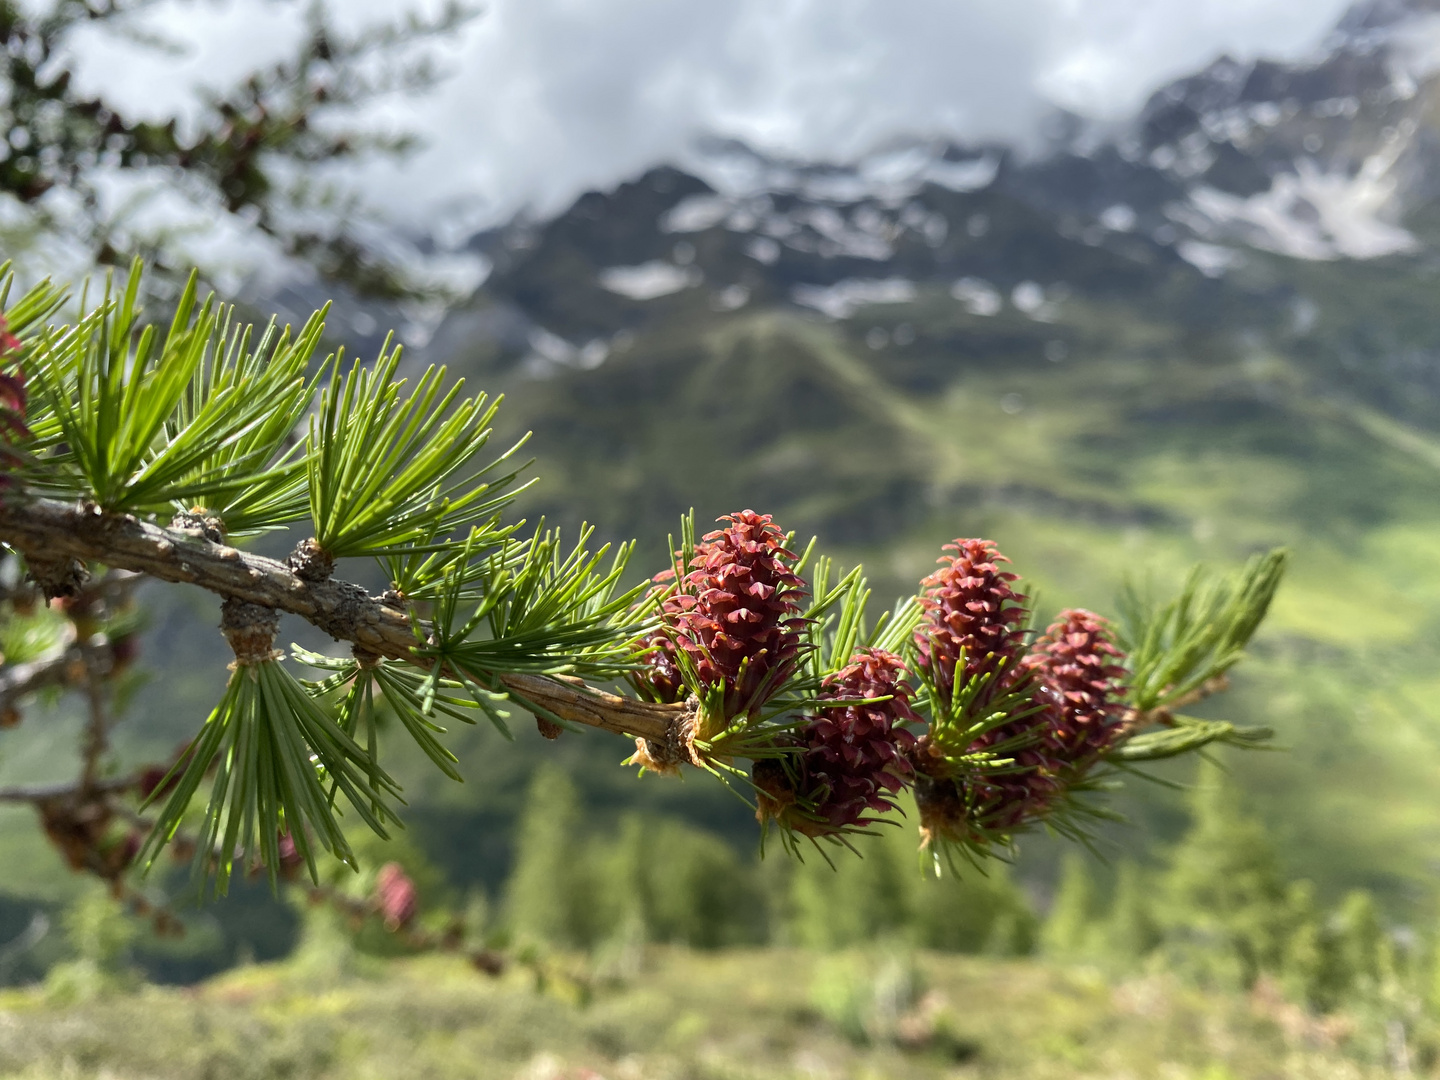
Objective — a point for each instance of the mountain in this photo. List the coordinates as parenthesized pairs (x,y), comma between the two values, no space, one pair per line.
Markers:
(741,329)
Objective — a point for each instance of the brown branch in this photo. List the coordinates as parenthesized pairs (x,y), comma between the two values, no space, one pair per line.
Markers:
(342,609)
(17,680)
(1134,721)
(97,720)
(64,789)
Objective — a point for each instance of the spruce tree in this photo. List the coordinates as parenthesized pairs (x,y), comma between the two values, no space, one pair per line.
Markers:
(700,893)
(1359,942)
(548,898)
(664,880)
(1071,924)
(1311,970)
(1225,912)
(1430,989)
(1130,932)
(852,901)
(973,911)
(880,897)
(623,881)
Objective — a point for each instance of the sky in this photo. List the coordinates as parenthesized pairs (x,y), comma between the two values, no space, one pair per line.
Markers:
(546,98)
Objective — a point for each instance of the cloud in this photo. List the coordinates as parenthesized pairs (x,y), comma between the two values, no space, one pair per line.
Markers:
(549,97)
(1104,57)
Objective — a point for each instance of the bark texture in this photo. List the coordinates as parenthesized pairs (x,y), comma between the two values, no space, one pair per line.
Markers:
(50,530)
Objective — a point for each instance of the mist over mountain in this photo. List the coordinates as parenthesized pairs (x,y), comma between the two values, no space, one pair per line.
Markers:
(1330,161)
(1319,161)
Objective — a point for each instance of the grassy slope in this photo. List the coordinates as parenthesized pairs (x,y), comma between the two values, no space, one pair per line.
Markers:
(733,1015)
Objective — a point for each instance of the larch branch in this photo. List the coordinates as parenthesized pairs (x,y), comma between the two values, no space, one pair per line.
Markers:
(18,680)
(342,609)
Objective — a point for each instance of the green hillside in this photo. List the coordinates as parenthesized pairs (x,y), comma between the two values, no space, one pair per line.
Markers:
(1095,353)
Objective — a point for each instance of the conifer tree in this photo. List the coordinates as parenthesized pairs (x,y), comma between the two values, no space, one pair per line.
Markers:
(246,153)
(1071,925)
(625,884)
(854,900)
(1130,932)
(1359,942)
(973,912)
(699,892)
(1309,968)
(1430,978)
(134,451)
(1225,911)
(880,897)
(549,896)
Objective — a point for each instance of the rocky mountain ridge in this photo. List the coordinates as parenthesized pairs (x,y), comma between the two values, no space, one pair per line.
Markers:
(1325,161)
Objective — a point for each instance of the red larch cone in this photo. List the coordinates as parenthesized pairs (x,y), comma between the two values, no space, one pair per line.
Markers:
(970,607)
(1078,667)
(733,615)
(854,757)
(1077,717)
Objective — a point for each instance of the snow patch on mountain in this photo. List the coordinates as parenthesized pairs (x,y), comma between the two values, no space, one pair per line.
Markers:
(901,173)
(868,230)
(1118,218)
(1212,260)
(648,281)
(844,298)
(551,354)
(1413,50)
(1039,303)
(763,250)
(890,176)
(696,214)
(1316,213)
(978,296)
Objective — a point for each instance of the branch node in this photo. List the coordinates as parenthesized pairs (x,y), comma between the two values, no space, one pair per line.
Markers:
(196,520)
(57,575)
(250,629)
(678,748)
(310,562)
(365,657)
(943,810)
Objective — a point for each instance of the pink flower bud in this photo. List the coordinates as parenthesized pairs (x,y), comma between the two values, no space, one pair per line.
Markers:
(395,896)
